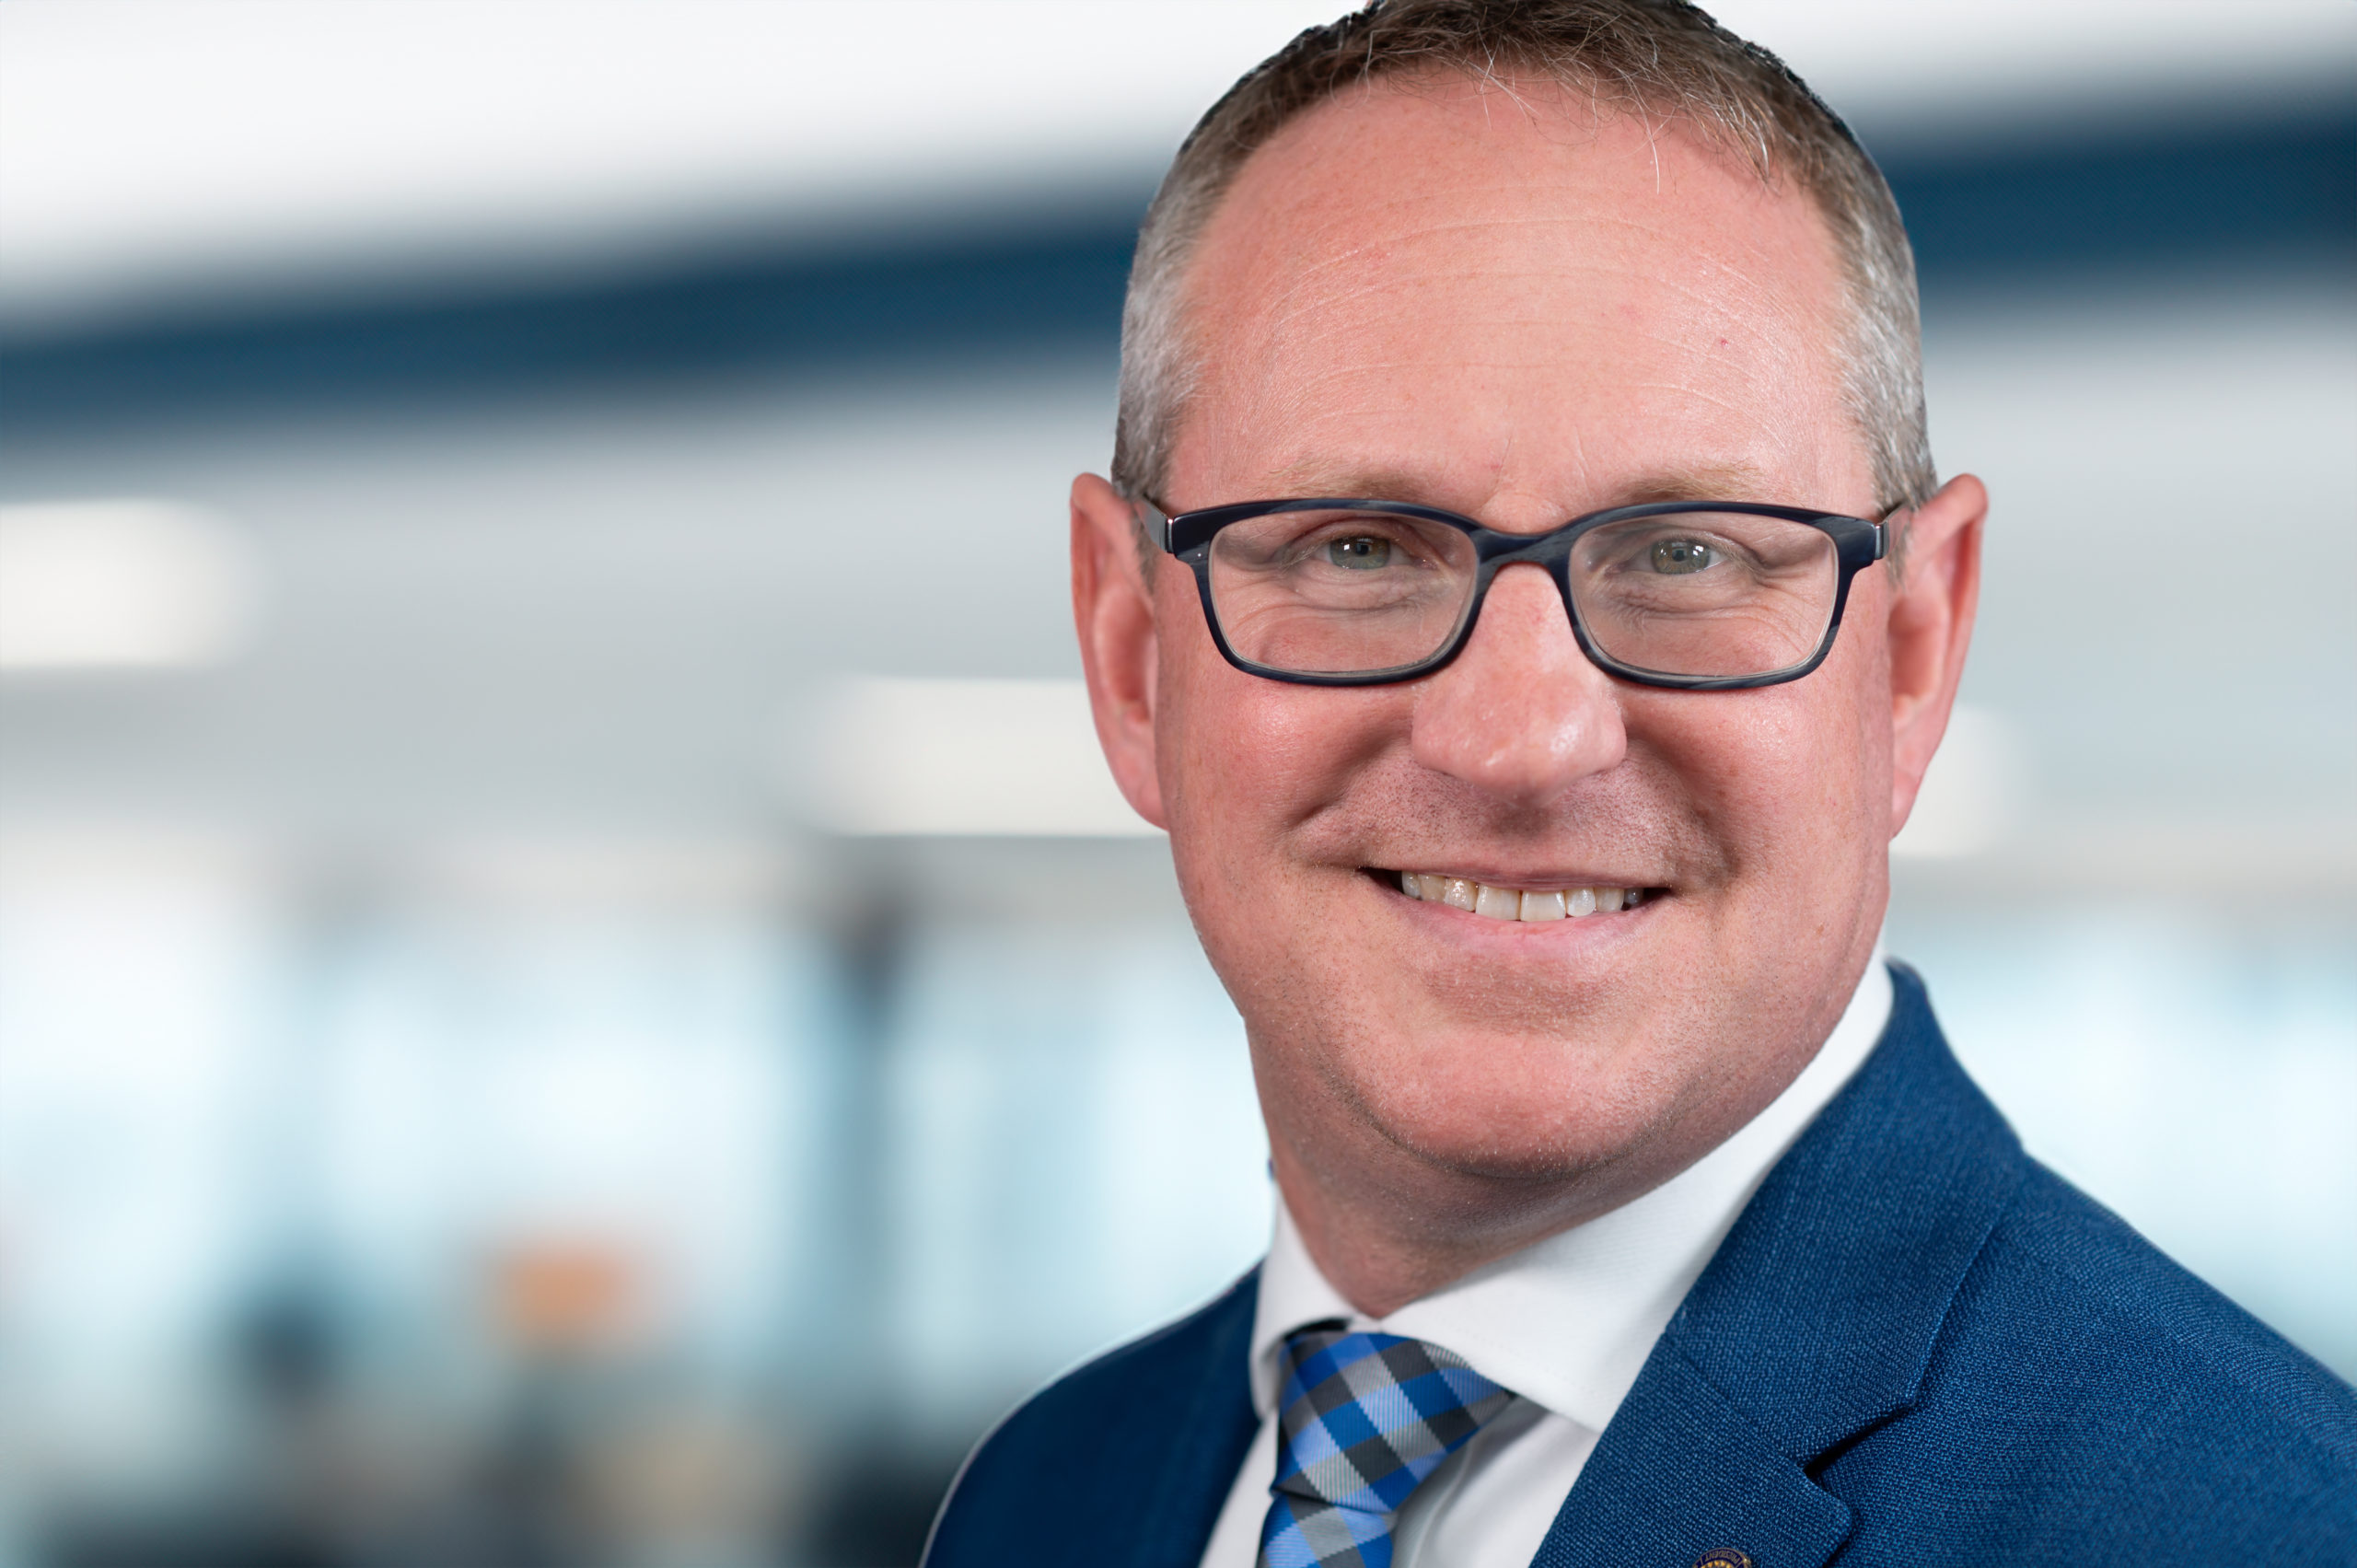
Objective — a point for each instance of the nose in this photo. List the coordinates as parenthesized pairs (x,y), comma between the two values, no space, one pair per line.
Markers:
(1521,712)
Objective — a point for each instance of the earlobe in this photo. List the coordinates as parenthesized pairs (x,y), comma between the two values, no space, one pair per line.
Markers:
(1930,628)
(1113,611)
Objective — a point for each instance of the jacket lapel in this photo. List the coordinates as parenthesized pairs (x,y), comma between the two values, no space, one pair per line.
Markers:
(1813,1323)
(1682,1472)
(1207,1444)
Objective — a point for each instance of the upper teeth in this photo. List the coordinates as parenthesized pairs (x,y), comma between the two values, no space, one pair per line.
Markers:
(1517,903)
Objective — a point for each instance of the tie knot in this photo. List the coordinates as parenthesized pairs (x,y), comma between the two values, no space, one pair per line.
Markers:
(1363,1419)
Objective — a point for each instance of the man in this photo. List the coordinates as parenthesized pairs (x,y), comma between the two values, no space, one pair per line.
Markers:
(1525,597)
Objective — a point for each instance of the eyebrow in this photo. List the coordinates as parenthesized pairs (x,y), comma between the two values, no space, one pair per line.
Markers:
(1709,481)
(1701,481)
(1310,476)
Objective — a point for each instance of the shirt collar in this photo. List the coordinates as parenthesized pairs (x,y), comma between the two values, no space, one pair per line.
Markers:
(1568,1321)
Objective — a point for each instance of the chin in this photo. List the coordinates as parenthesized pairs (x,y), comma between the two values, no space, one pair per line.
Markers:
(1514,1107)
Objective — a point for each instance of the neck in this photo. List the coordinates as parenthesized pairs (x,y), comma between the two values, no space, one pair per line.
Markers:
(1386,1243)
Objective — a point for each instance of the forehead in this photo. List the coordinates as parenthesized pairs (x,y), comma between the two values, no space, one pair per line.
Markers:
(1501,297)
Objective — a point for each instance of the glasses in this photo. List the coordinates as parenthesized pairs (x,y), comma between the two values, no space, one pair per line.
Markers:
(1700,595)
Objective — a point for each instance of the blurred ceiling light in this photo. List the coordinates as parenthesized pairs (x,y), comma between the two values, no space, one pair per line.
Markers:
(48,858)
(596,873)
(1972,794)
(120,585)
(149,147)
(157,147)
(1014,759)
(2000,62)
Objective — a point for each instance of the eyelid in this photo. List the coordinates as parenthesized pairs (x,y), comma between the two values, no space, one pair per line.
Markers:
(1401,532)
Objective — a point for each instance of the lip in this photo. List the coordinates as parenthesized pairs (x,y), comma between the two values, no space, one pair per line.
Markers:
(1554,880)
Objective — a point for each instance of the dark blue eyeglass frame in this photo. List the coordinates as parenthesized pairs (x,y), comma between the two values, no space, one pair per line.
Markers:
(1187,535)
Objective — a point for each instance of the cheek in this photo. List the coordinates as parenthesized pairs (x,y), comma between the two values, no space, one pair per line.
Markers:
(1855,708)
(1243,759)
(1221,755)
(1790,782)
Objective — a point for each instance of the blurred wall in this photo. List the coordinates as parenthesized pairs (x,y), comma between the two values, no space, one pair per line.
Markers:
(508,1050)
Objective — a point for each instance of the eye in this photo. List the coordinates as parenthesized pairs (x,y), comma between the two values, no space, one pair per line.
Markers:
(1674,557)
(1362,552)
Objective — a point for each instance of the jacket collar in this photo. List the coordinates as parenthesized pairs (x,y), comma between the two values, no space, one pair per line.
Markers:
(1815,1320)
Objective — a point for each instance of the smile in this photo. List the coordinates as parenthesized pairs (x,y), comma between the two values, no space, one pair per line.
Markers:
(1516,903)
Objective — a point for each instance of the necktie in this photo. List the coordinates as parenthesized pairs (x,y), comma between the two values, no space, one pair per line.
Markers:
(1362,1420)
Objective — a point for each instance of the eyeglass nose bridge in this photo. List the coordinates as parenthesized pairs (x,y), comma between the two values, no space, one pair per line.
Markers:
(1552,553)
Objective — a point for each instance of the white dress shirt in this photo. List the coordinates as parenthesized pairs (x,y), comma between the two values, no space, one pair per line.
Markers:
(1566,1323)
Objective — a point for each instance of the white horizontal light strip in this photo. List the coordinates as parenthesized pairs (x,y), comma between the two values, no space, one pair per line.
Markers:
(120,585)
(984,759)
(1979,68)
(155,146)
(152,146)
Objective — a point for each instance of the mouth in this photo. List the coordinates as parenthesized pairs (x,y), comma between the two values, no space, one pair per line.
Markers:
(1493,901)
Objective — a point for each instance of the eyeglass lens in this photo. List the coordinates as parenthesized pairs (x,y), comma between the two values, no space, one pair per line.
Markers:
(1704,594)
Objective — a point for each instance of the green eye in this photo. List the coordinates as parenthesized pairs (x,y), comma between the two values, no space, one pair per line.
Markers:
(1674,557)
(1363,554)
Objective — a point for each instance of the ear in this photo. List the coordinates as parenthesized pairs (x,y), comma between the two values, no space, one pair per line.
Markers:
(1113,610)
(1929,627)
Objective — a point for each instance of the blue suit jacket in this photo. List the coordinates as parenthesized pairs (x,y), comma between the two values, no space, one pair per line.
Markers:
(1916,1346)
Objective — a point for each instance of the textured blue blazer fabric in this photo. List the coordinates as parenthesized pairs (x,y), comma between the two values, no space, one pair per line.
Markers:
(1916,1346)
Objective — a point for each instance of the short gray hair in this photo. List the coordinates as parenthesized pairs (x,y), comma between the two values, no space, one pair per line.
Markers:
(1663,59)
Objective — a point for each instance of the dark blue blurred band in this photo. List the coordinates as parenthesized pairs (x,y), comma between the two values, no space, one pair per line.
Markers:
(2182,198)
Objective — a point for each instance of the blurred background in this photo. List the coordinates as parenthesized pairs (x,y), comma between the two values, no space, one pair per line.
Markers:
(572,990)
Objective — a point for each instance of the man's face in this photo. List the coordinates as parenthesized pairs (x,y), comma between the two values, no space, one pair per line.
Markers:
(1507,308)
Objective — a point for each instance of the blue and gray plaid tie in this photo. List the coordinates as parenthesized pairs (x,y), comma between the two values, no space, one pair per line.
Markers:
(1361,1420)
